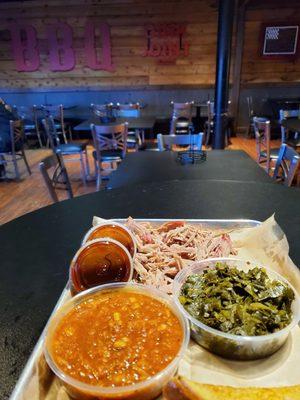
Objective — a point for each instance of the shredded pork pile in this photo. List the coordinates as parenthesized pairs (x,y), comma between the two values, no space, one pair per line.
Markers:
(164,250)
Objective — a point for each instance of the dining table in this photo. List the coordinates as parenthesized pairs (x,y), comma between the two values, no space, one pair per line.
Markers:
(140,123)
(143,167)
(36,249)
(280,103)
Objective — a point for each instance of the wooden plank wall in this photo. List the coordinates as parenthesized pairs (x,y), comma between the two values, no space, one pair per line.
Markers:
(256,70)
(126,19)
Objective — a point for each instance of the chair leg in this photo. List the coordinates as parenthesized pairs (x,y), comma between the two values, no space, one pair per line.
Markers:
(207,139)
(284,134)
(17,172)
(138,139)
(143,136)
(65,137)
(39,139)
(88,172)
(70,133)
(268,166)
(83,172)
(95,167)
(98,174)
(3,163)
(26,162)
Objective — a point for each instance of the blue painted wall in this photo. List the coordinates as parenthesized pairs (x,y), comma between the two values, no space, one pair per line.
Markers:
(157,100)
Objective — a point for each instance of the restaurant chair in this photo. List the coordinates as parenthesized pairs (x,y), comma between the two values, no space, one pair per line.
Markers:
(135,137)
(287,165)
(166,142)
(181,118)
(57,178)
(16,153)
(209,124)
(31,116)
(262,131)
(57,113)
(110,142)
(285,114)
(67,149)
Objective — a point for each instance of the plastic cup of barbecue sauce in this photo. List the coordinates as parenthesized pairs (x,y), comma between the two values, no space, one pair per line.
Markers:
(98,262)
(113,230)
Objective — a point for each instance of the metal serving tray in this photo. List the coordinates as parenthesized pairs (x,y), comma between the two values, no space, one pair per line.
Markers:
(212,223)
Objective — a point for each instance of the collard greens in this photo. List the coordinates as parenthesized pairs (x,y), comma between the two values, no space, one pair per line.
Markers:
(238,302)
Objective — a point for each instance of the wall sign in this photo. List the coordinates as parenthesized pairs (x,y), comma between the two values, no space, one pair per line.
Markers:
(62,57)
(280,40)
(166,42)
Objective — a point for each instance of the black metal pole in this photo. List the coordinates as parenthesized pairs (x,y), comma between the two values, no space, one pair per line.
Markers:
(225,24)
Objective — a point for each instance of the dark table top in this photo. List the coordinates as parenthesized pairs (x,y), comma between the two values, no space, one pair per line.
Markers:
(281,100)
(292,124)
(142,167)
(146,122)
(36,249)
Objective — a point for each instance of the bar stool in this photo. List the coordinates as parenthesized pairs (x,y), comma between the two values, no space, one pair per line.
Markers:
(262,131)
(181,118)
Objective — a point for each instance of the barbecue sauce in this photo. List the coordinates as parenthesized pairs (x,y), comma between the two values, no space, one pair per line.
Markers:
(114,232)
(98,263)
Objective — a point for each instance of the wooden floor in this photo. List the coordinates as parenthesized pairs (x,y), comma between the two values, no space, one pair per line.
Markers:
(18,198)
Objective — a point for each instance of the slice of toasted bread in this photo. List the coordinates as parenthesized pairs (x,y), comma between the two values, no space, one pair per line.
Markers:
(180,388)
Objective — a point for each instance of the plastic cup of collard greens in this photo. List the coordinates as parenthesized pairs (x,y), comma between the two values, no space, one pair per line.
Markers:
(237,309)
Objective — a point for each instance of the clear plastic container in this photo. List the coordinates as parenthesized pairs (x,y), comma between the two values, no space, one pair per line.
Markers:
(145,390)
(113,230)
(100,261)
(225,344)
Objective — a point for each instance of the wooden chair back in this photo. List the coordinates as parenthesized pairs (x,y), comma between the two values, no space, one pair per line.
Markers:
(16,135)
(57,114)
(31,116)
(166,142)
(182,110)
(56,111)
(109,137)
(181,117)
(57,178)
(51,132)
(262,131)
(287,164)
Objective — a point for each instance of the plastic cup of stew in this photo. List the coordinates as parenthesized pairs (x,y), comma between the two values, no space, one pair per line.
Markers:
(113,230)
(98,262)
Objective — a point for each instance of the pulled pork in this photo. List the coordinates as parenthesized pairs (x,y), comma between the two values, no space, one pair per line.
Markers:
(164,250)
